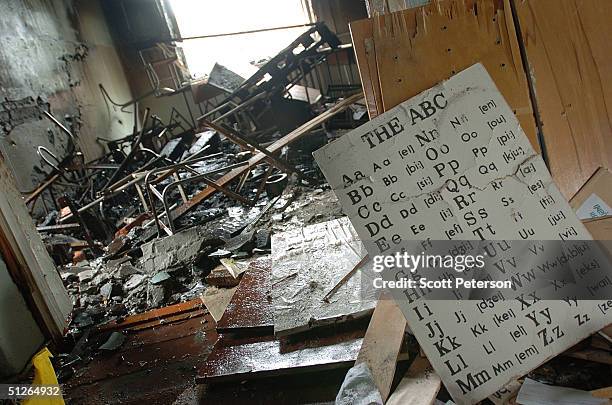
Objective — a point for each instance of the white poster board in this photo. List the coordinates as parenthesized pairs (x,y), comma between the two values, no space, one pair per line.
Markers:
(453,163)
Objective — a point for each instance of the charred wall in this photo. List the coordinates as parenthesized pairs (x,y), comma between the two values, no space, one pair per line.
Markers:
(53,56)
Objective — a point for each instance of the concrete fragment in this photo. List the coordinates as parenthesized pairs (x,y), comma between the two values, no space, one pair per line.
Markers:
(83,320)
(160,277)
(100,279)
(155,295)
(87,288)
(117,309)
(86,275)
(110,289)
(96,312)
(134,281)
(93,299)
(68,276)
(180,249)
(262,239)
(126,270)
(117,262)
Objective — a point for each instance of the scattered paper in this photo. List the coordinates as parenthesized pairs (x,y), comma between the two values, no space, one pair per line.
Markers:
(593,207)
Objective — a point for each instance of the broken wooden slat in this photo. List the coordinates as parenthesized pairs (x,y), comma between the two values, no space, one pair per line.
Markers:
(34,195)
(382,343)
(344,279)
(153,315)
(361,31)
(168,319)
(419,386)
(567,46)
(276,146)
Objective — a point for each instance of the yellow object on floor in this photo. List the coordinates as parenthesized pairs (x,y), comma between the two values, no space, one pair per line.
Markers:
(44,374)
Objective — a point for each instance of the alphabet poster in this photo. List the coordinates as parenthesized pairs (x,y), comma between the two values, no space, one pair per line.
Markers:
(453,164)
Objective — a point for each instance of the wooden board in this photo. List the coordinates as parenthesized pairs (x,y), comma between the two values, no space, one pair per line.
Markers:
(567,46)
(418,48)
(421,68)
(28,262)
(600,228)
(250,309)
(600,184)
(361,32)
(419,386)
(382,343)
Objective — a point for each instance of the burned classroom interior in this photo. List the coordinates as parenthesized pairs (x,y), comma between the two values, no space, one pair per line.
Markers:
(210,201)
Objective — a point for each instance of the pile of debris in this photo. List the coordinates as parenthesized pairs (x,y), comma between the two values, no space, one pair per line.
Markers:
(174,212)
(272,280)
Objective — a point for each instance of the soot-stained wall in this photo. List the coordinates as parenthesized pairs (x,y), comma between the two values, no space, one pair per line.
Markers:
(54,55)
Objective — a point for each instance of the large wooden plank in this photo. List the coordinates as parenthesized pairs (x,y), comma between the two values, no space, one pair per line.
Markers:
(600,184)
(28,262)
(418,48)
(361,31)
(568,49)
(419,386)
(275,147)
(382,343)
(250,309)
(365,54)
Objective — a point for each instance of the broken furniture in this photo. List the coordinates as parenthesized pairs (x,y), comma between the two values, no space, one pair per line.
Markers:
(255,104)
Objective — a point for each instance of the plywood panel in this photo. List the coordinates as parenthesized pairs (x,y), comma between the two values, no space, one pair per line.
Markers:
(567,47)
(417,48)
(363,45)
